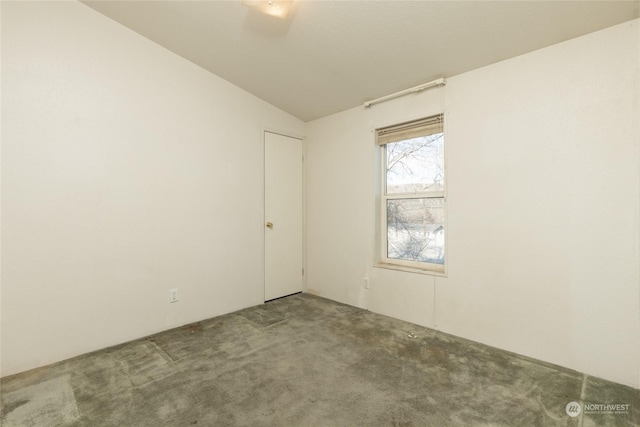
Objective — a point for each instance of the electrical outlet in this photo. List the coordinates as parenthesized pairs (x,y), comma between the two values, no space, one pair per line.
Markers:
(366,283)
(173,295)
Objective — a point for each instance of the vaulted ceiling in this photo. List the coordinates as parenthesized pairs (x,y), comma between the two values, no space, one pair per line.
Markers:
(328,56)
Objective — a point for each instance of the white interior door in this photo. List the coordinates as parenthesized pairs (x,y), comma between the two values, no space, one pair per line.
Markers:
(283,215)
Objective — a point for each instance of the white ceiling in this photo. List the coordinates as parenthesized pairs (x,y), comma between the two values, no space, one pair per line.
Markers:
(328,56)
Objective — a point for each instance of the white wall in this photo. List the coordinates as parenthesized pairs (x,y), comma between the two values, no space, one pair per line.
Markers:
(126,171)
(543,171)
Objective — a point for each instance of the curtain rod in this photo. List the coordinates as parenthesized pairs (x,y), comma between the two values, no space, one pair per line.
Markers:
(415,89)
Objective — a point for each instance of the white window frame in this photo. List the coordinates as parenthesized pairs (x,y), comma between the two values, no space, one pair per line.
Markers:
(383,261)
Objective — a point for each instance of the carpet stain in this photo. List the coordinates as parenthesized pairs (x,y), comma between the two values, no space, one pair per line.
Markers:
(50,402)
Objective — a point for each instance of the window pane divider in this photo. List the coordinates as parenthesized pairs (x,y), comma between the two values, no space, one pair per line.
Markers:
(430,195)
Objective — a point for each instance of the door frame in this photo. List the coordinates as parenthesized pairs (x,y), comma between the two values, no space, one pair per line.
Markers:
(294,135)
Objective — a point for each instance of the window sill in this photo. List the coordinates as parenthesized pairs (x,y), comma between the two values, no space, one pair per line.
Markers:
(416,270)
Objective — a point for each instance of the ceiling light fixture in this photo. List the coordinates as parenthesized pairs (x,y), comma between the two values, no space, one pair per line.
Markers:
(278,8)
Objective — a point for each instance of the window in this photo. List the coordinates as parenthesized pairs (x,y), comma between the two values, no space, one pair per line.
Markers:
(412,194)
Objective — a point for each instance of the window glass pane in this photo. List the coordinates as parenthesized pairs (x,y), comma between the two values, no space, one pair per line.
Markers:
(415,165)
(415,230)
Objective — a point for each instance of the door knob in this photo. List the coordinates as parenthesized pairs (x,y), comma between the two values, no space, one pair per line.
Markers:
(269,225)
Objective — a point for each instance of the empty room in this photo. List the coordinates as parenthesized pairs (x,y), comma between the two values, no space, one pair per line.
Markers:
(320,213)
